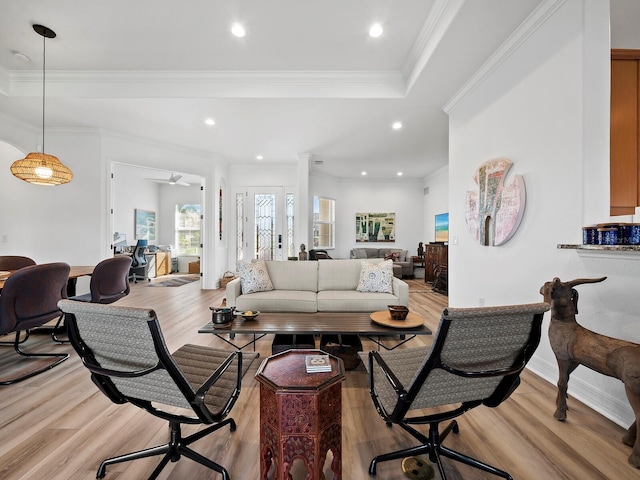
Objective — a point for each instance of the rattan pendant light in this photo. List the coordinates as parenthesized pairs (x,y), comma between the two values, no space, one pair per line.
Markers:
(41,168)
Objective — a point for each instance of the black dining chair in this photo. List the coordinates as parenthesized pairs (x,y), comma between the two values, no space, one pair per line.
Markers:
(15,262)
(30,299)
(109,283)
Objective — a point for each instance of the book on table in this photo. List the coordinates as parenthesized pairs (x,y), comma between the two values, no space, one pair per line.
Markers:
(317,363)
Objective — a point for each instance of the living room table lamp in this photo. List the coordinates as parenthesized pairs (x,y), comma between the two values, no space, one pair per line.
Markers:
(38,167)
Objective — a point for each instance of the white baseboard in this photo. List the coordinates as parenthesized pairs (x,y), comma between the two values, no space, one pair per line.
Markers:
(615,409)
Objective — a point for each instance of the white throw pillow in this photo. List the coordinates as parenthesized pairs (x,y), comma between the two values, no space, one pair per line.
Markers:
(254,277)
(376,277)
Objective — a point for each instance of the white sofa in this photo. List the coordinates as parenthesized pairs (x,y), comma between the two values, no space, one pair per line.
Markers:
(316,286)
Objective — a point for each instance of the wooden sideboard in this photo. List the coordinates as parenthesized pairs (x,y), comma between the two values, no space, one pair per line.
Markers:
(158,263)
(434,254)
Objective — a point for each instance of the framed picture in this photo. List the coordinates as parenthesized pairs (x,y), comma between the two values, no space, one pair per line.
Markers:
(442,228)
(145,224)
(375,227)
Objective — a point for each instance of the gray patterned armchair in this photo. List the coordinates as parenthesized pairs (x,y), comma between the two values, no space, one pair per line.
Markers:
(125,352)
(476,359)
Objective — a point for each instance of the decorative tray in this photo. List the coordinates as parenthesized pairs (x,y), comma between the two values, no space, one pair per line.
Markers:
(383,317)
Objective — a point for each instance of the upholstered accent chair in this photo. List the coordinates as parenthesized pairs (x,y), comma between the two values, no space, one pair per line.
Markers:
(109,283)
(15,262)
(476,359)
(124,349)
(29,299)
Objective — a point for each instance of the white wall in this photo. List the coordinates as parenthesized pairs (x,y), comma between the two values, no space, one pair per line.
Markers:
(545,106)
(134,151)
(131,192)
(61,223)
(400,196)
(436,201)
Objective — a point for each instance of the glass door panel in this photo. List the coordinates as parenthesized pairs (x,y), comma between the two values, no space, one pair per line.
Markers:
(264,237)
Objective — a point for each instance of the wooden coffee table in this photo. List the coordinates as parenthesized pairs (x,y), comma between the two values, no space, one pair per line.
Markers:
(346,323)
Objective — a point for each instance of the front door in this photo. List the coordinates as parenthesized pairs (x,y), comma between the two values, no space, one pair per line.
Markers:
(264,235)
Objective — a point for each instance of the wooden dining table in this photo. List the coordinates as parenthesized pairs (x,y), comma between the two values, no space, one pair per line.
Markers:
(74,274)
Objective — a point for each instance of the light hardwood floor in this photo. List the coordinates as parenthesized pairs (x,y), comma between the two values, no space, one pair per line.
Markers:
(58,426)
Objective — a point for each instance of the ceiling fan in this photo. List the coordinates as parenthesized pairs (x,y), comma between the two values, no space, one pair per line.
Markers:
(172,180)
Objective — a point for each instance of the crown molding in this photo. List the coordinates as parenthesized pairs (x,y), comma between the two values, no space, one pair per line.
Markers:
(438,22)
(528,27)
(5,82)
(191,84)
(204,154)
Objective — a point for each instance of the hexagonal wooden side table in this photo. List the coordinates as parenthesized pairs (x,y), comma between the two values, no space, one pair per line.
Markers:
(300,415)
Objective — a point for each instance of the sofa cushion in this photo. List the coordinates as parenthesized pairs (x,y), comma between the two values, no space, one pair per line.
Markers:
(376,277)
(279,301)
(393,256)
(360,253)
(290,275)
(402,254)
(338,274)
(254,277)
(352,301)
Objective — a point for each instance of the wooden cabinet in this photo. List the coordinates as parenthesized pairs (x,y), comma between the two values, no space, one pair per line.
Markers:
(625,132)
(434,254)
(163,263)
(158,263)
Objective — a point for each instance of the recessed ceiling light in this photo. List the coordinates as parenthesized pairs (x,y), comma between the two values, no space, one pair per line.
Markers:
(238,30)
(210,121)
(363,173)
(259,157)
(396,125)
(399,174)
(376,30)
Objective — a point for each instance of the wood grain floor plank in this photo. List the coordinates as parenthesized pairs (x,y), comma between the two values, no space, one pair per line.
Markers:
(58,426)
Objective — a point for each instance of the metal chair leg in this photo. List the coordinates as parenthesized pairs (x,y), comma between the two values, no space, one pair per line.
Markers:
(61,357)
(57,329)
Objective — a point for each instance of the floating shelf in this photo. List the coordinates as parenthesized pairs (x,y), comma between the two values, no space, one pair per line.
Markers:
(609,252)
(601,248)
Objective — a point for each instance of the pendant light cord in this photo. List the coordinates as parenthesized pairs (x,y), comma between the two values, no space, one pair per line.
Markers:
(44,56)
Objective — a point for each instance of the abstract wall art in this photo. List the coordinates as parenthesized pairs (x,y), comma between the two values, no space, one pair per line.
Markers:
(375,227)
(494,212)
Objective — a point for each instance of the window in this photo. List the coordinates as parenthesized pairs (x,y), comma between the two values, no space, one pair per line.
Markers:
(239,227)
(323,222)
(188,229)
(290,247)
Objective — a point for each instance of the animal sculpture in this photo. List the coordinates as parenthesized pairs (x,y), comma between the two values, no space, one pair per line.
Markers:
(575,345)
